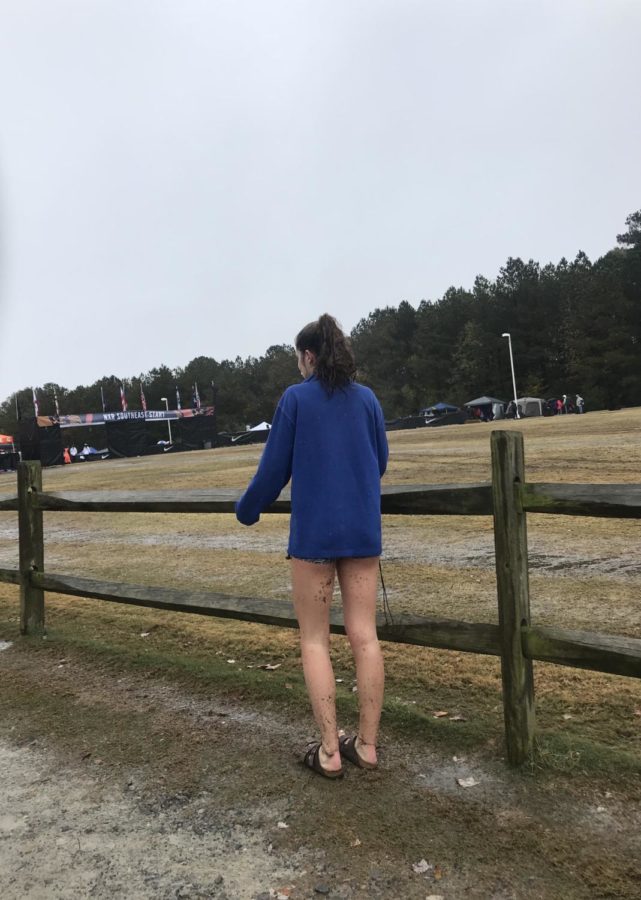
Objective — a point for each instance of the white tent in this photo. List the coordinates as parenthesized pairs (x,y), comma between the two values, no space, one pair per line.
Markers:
(262,426)
(530,406)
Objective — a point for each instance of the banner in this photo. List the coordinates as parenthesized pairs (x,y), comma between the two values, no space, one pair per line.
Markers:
(151,415)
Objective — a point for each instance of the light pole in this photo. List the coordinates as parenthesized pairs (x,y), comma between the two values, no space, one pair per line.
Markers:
(506,334)
(166,402)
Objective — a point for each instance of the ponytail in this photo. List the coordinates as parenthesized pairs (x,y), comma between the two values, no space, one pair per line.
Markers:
(335,366)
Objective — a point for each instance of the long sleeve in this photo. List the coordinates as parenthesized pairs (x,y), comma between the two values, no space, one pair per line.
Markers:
(274,469)
(382,447)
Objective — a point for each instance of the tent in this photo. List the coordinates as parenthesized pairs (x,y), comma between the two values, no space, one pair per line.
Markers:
(262,426)
(530,406)
(439,409)
(487,408)
(484,401)
(6,440)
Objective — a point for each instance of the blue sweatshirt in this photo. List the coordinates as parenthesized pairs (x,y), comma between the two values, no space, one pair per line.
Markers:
(334,449)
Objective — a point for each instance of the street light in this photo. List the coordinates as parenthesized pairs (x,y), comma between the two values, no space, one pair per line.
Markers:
(166,402)
(506,334)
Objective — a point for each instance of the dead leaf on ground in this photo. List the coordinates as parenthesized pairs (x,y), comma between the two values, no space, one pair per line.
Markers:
(421,867)
(467,782)
(440,714)
(270,667)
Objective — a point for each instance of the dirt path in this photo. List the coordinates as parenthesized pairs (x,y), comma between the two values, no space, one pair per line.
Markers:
(67,834)
(151,791)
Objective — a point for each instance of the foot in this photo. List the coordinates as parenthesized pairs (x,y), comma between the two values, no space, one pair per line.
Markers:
(367,752)
(357,752)
(331,762)
(314,761)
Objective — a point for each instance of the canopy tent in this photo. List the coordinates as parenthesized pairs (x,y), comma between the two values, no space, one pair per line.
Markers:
(486,409)
(439,409)
(6,440)
(484,401)
(262,426)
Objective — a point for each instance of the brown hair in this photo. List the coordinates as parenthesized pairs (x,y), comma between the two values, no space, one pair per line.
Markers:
(335,366)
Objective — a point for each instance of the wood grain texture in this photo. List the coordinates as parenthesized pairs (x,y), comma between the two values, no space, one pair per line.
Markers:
(583,650)
(620,501)
(10,576)
(443,633)
(512,583)
(31,547)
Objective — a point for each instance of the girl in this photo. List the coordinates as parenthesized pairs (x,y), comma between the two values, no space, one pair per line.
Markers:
(328,436)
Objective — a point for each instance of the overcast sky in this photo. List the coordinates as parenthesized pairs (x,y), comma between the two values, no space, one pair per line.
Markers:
(187,177)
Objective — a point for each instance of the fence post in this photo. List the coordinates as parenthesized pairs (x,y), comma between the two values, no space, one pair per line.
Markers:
(510,543)
(32,602)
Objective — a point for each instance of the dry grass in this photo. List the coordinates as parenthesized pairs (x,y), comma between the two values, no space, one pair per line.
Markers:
(585,573)
(173,709)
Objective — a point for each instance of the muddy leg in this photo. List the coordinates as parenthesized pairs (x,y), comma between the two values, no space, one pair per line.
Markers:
(312,588)
(358,579)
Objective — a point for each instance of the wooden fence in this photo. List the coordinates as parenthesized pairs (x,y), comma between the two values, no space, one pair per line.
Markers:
(508,498)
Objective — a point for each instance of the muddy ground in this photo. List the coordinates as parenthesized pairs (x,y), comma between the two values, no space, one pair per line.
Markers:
(212,802)
(139,761)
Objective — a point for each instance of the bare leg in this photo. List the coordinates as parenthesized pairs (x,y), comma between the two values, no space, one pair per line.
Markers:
(358,579)
(312,588)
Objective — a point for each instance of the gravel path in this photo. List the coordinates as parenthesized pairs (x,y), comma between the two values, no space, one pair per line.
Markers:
(65,834)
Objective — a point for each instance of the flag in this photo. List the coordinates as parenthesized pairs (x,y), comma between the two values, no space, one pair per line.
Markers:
(178,406)
(102,397)
(55,400)
(143,400)
(195,397)
(36,408)
(123,399)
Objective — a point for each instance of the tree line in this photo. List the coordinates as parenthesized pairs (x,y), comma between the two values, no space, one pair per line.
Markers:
(575,327)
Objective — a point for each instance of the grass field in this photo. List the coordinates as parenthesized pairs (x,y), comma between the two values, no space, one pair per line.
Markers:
(584,573)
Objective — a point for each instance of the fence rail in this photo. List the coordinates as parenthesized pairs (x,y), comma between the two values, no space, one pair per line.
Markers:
(508,498)
(609,500)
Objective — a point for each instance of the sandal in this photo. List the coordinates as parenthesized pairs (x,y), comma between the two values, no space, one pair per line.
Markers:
(348,750)
(312,761)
